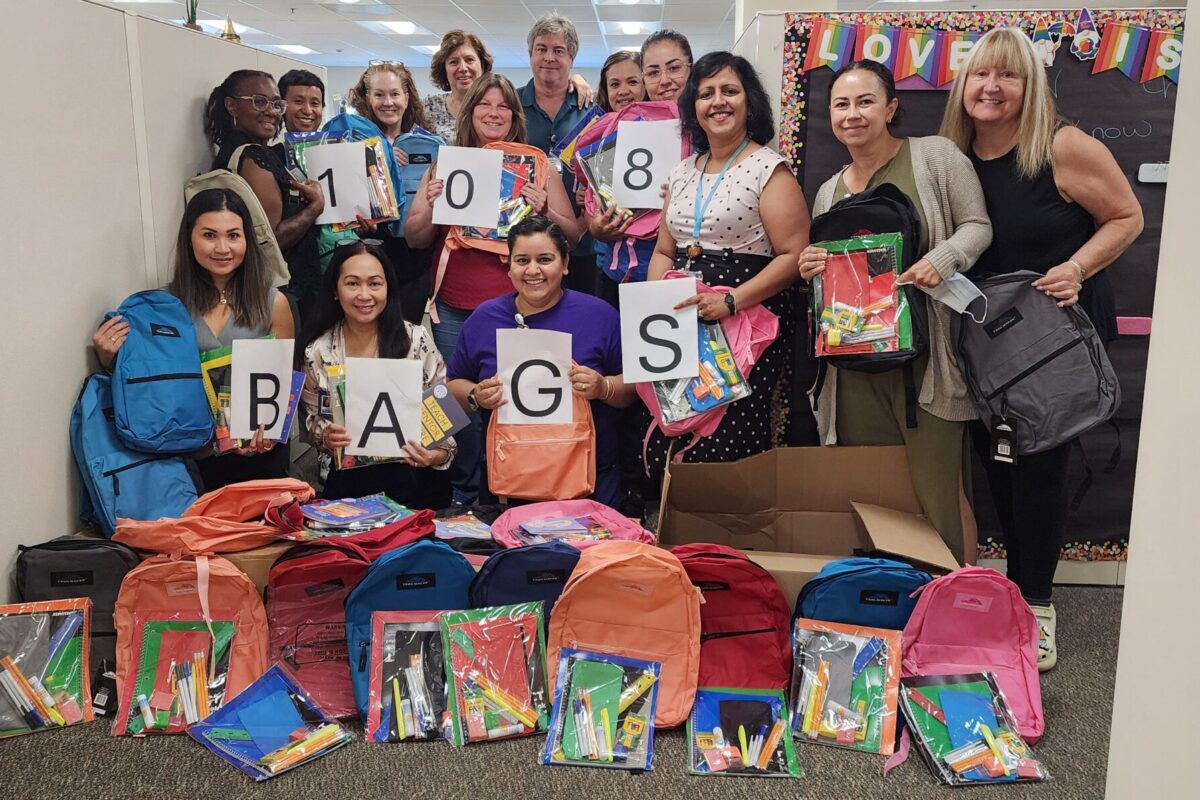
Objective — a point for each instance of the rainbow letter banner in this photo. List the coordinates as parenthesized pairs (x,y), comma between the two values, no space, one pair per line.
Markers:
(831,44)
(1164,54)
(1123,47)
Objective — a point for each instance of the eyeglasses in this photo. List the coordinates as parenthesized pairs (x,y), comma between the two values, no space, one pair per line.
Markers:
(674,70)
(348,241)
(380,63)
(263,103)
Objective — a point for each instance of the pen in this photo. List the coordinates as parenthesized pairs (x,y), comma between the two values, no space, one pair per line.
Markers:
(19,680)
(63,634)
(24,707)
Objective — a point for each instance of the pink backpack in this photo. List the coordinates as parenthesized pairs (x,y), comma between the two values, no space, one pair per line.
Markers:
(504,529)
(975,620)
(635,600)
(749,332)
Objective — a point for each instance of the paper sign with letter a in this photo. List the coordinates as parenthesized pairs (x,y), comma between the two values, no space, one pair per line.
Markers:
(472,187)
(533,367)
(658,342)
(260,386)
(646,153)
(341,171)
(383,405)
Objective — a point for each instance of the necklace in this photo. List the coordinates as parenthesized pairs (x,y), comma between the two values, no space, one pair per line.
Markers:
(701,205)
(224,299)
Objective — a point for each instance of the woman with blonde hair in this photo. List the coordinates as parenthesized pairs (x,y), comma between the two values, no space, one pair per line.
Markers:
(387,95)
(1060,206)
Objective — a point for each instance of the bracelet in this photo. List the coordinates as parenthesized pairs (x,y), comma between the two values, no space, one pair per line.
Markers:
(609,389)
(1078,266)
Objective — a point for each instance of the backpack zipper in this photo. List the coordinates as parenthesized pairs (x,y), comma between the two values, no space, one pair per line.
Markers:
(166,376)
(362,656)
(112,473)
(1030,370)
(573,440)
(704,637)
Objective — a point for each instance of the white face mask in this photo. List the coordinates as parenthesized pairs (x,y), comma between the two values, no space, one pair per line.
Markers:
(957,292)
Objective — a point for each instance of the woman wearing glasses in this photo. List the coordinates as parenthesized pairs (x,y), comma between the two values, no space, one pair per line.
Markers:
(243,115)
(666,64)
(356,317)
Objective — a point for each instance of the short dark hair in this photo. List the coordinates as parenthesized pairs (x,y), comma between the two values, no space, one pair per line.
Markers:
(217,122)
(879,71)
(538,223)
(300,77)
(668,35)
(394,341)
(249,286)
(760,122)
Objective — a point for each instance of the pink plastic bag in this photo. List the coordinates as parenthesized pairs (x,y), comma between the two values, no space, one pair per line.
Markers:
(504,529)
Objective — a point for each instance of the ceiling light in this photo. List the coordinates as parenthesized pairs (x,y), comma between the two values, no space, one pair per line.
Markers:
(403,27)
(631,28)
(295,49)
(623,2)
(630,49)
(427,49)
(355,1)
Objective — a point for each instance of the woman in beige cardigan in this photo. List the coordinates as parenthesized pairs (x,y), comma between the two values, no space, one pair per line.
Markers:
(858,408)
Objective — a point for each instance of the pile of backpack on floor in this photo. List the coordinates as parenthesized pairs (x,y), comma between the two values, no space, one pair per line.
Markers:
(711,630)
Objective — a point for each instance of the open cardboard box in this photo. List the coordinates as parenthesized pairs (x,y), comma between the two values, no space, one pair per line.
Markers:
(795,509)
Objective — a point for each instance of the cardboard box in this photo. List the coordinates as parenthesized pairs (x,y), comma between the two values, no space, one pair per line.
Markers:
(796,509)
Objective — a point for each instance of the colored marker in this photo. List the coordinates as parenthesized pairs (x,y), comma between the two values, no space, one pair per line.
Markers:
(995,748)
(745,750)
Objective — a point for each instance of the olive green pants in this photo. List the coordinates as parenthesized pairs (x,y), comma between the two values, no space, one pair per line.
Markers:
(871,411)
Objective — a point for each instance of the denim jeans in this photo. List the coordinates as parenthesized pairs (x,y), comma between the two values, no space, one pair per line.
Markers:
(465,469)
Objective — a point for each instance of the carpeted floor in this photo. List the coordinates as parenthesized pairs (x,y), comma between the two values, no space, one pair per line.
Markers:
(85,763)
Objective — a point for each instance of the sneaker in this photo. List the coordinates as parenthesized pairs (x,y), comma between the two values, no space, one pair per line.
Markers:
(1047,652)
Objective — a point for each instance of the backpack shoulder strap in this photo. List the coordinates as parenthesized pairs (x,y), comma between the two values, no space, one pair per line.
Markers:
(235,159)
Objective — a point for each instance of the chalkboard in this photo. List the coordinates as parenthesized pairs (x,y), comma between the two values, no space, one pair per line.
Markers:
(1135,121)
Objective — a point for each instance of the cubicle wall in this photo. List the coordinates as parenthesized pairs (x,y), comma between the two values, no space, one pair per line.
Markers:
(105,130)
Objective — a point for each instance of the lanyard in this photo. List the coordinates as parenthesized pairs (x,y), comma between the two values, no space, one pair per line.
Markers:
(700,209)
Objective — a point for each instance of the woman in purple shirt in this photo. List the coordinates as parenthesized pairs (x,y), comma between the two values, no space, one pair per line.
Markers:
(538,260)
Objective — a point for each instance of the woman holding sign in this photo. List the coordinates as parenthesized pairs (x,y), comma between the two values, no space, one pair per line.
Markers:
(221,281)
(735,215)
(539,255)
(867,408)
(356,318)
(1061,206)
(241,118)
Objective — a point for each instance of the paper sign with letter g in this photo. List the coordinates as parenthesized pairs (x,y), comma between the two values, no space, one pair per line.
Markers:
(533,367)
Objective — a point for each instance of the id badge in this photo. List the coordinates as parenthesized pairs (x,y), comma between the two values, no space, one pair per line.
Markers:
(1003,441)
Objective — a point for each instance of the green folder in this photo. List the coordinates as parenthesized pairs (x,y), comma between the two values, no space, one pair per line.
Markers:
(602,681)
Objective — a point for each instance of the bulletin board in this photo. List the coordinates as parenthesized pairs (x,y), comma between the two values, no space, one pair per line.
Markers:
(1120,95)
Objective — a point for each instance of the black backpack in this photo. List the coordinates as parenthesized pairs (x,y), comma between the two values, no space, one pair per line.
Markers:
(76,566)
(880,209)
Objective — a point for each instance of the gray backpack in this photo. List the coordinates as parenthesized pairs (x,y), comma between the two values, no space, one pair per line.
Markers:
(1038,367)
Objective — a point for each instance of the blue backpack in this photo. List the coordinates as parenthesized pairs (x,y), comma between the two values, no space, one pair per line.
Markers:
(114,480)
(157,392)
(874,592)
(422,148)
(423,576)
(525,574)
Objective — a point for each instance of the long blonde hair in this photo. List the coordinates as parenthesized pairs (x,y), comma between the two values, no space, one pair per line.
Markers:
(1011,49)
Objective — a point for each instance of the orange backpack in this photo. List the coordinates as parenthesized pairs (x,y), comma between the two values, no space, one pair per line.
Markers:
(168,609)
(459,238)
(226,520)
(543,461)
(635,600)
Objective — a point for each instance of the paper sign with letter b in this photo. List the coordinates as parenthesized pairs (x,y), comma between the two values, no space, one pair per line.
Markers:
(383,405)
(647,151)
(472,187)
(658,342)
(533,367)
(260,386)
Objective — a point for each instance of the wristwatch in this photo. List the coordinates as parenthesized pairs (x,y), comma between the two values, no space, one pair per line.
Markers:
(730,304)
(472,403)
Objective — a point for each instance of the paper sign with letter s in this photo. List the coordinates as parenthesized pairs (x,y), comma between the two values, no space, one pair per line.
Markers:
(260,386)
(533,367)
(472,187)
(383,405)
(658,341)
(647,151)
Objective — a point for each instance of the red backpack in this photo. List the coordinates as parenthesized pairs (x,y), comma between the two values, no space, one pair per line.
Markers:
(306,594)
(745,621)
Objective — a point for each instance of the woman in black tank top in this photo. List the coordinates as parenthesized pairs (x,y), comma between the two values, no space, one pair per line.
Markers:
(1061,206)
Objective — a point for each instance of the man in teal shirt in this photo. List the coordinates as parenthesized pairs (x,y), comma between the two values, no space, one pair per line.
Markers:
(551,112)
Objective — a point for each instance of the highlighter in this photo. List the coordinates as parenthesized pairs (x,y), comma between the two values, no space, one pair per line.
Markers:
(742,741)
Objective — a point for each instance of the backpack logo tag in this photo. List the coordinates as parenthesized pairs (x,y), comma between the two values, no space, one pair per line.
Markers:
(159,329)
(80,577)
(416,580)
(711,586)
(1003,322)
(181,587)
(878,597)
(972,602)
(312,590)
(538,576)
(420,158)
(633,588)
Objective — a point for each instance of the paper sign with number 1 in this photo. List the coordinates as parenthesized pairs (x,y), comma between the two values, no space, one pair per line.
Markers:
(341,171)
(472,187)
(646,153)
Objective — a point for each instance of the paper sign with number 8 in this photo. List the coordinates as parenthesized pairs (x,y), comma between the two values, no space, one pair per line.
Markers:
(646,153)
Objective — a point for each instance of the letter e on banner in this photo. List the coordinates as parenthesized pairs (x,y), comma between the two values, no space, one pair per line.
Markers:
(658,343)
(533,367)
(383,405)
(260,385)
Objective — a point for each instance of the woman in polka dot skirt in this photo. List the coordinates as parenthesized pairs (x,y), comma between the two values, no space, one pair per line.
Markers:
(735,215)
